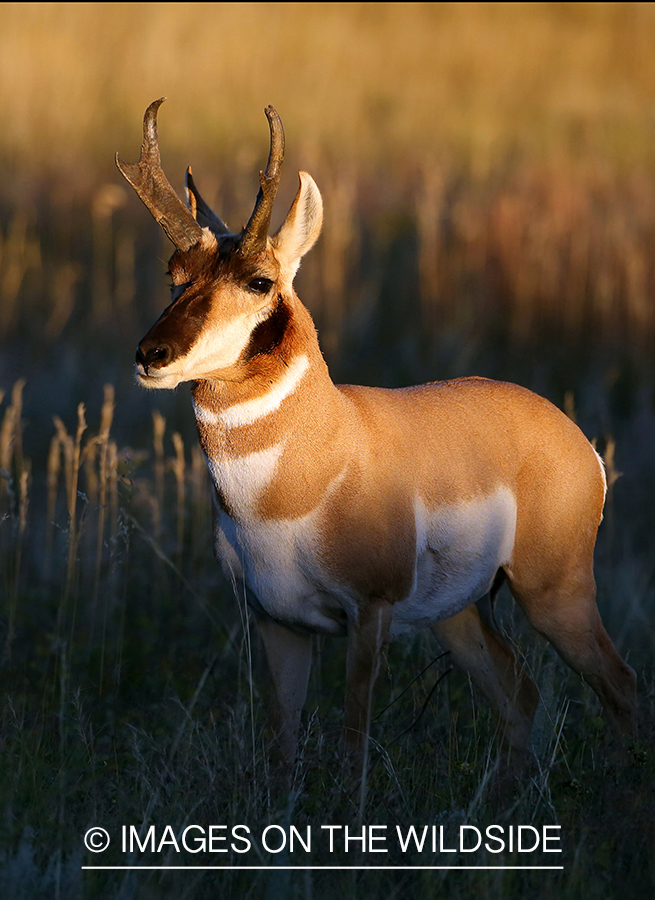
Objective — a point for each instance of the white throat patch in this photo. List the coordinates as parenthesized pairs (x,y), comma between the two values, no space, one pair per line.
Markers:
(251,411)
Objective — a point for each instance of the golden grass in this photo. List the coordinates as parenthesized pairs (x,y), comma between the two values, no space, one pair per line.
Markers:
(367,82)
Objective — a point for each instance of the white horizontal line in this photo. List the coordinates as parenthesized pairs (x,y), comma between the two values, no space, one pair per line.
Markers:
(305,868)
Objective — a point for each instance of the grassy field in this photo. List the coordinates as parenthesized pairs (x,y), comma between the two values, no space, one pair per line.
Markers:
(489,181)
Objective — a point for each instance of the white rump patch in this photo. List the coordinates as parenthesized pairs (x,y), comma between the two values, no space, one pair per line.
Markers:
(601,463)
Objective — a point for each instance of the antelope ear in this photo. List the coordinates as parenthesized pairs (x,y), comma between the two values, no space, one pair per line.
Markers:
(301,228)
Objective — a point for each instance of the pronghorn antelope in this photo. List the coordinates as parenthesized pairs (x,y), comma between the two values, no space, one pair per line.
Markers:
(366,512)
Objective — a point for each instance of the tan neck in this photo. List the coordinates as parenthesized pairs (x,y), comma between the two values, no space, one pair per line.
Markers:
(258,376)
(284,415)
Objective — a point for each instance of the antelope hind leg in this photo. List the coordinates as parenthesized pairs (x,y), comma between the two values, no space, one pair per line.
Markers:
(566,615)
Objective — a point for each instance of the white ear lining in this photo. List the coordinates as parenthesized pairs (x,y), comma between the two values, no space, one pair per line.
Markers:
(301,228)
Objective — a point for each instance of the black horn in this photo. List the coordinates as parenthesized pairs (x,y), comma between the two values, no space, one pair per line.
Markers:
(254,235)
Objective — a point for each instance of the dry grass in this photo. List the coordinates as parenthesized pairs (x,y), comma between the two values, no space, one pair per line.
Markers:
(134,704)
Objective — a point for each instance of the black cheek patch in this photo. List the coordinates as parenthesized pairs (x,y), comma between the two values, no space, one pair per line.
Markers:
(268,334)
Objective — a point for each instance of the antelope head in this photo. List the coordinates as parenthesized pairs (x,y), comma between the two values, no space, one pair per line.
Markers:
(232,293)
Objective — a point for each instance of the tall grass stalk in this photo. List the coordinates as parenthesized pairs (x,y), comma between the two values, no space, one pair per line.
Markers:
(106,417)
(72,451)
(178,466)
(158,429)
(14,470)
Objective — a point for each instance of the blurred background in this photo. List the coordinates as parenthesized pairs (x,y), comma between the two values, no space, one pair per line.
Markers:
(487,170)
(488,173)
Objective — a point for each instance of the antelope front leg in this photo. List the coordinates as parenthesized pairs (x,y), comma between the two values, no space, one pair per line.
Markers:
(289,656)
(368,638)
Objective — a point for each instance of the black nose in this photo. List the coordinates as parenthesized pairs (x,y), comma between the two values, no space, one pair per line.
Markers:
(157,356)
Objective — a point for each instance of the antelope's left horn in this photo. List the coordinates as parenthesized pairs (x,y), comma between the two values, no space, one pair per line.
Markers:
(255,233)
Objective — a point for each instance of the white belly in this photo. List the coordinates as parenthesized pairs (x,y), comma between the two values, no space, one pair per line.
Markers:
(458,552)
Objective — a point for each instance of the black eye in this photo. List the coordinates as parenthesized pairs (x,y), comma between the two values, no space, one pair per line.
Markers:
(260,285)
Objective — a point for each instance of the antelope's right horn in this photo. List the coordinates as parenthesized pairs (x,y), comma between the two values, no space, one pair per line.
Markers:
(148,180)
